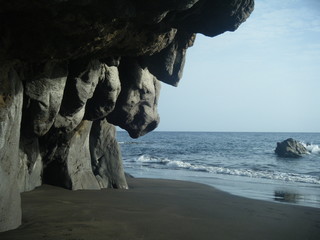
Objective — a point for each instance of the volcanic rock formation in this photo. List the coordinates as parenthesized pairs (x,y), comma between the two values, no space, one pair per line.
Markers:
(290,148)
(72,69)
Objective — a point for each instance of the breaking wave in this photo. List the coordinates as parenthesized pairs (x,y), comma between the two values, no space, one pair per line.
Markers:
(165,163)
(312,148)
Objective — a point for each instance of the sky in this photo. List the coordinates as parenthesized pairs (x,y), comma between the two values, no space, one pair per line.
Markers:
(264,77)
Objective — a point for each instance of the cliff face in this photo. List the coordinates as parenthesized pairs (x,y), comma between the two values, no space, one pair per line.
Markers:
(72,69)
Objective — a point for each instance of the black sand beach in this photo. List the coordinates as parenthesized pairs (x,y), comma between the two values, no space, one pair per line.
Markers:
(159,209)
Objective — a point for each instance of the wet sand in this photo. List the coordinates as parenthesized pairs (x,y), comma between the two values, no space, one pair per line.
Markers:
(159,209)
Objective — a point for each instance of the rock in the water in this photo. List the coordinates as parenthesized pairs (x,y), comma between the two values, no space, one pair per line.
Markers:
(290,148)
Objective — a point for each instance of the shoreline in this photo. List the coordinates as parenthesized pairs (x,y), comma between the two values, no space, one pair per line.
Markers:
(291,193)
(159,209)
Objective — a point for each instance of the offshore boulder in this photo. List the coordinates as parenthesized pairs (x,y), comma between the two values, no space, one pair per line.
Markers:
(290,148)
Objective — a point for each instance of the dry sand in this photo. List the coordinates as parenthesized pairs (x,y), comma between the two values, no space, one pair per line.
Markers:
(159,209)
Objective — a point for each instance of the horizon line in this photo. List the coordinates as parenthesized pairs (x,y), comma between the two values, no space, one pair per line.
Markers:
(209,131)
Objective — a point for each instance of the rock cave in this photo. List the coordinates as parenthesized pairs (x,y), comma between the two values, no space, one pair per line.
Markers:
(72,70)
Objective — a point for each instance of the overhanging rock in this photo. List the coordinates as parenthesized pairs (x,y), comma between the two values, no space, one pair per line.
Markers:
(69,69)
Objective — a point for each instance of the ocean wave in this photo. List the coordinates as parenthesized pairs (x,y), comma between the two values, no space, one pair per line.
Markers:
(312,148)
(244,172)
(149,159)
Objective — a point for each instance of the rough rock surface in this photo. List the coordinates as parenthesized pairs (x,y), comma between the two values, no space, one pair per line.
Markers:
(290,148)
(82,79)
(105,155)
(11,97)
(69,69)
(67,161)
(43,98)
(104,98)
(30,164)
(136,107)
(168,64)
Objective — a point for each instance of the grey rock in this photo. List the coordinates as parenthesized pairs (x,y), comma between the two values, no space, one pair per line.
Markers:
(79,159)
(43,97)
(290,148)
(73,58)
(106,156)
(136,107)
(81,83)
(67,162)
(30,164)
(128,175)
(11,97)
(165,5)
(105,95)
(111,61)
(69,123)
(212,18)
(99,28)
(168,64)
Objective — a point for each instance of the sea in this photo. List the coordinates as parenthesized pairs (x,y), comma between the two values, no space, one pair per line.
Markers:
(242,164)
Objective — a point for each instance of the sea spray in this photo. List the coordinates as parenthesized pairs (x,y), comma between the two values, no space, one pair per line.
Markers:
(312,148)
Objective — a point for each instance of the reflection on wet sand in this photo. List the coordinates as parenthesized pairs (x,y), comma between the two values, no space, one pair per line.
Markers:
(285,196)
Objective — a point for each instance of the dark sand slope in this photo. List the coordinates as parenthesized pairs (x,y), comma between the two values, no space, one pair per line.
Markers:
(159,209)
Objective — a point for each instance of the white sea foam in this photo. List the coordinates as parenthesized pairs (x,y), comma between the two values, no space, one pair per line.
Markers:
(272,175)
(312,148)
(146,158)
